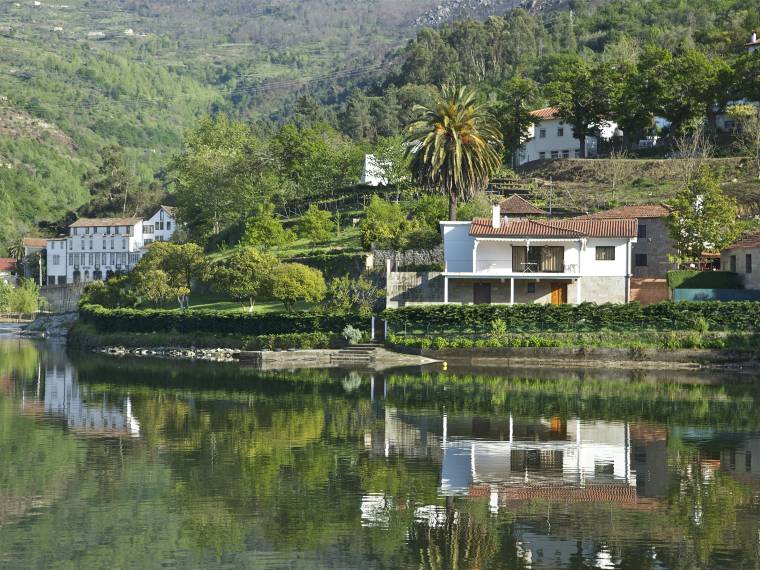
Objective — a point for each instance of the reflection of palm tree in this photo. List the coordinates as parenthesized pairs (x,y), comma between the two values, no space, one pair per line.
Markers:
(455,146)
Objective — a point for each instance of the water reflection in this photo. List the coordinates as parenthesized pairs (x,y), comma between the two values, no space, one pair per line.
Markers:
(140,463)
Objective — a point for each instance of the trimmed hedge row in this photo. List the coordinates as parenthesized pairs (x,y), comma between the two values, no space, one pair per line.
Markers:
(160,320)
(716,316)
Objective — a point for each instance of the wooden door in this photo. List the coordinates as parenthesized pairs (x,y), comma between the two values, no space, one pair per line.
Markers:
(481,293)
(559,294)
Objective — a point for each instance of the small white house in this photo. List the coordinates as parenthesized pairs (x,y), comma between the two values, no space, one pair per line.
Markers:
(372,174)
(160,226)
(552,138)
(506,261)
(753,43)
(96,248)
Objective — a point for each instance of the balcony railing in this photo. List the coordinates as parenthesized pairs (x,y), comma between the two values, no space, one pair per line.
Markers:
(503,268)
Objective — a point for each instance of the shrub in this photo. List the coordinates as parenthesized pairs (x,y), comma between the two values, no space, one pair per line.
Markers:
(351,334)
(293,282)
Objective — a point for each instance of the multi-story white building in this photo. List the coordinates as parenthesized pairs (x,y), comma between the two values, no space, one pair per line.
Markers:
(97,248)
(552,137)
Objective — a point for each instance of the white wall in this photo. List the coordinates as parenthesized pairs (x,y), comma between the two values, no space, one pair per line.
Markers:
(457,246)
(57,252)
(99,250)
(590,266)
(163,224)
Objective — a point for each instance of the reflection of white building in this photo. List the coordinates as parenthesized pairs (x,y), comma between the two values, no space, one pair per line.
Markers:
(65,397)
(573,453)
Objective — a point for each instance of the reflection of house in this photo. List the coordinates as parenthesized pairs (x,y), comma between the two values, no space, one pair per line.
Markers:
(65,397)
(516,260)
(541,454)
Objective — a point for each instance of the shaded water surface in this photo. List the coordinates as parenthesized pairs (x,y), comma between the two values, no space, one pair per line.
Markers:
(108,463)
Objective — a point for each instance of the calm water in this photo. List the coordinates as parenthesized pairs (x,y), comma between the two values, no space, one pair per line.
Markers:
(146,464)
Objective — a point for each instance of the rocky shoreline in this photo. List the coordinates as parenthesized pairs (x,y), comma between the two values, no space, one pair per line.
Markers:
(207,354)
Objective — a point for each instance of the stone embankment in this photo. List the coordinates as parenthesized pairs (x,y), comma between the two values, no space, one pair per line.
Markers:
(51,325)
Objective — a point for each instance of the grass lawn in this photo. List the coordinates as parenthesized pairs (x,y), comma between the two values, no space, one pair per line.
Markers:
(213,302)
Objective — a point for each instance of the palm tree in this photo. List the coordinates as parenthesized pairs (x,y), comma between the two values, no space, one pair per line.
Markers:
(16,249)
(455,146)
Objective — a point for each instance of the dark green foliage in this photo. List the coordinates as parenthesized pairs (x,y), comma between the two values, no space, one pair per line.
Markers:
(682,279)
(335,264)
(744,316)
(165,321)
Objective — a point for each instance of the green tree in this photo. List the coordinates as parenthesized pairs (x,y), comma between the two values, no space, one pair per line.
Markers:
(16,249)
(583,93)
(244,275)
(346,294)
(703,218)
(5,296)
(316,225)
(118,291)
(264,229)
(455,146)
(113,187)
(25,298)
(222,174)
(174,267)
(383,224)
(294,282)
(515,100)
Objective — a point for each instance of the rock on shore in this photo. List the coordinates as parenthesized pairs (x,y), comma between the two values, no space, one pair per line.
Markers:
(52,325)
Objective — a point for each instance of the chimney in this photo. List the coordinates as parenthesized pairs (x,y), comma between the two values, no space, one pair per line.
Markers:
(496,216)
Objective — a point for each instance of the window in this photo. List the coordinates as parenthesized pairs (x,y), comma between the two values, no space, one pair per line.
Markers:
(640,260)
(748,263)
(147,241)
(542,155)
(108,230)
(71,259)
(104,243)
(160,225)
(642,231)
(56,259)
(542,133)
(168,225)
(111,243)
(565,154)
(541,259)
(555,154)
(605,253)
(531,287)
(577,153)
(560,131)
(733,264)
(90,243)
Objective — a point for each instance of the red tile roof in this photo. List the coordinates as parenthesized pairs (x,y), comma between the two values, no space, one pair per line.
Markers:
(7,264)
(545,113)
(35,242)
(580,228)
(517,205)
(639,211)
(747,241)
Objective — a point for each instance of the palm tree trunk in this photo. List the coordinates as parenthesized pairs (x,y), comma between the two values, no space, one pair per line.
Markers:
(452,207)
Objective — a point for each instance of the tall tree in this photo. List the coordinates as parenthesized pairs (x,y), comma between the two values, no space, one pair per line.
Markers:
(113,188)
(244,275)
(515,100)
(583,93)
(703,218)
(455,146)
(170,269)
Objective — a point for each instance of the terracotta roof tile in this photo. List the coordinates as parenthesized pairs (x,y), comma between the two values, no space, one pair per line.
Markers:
(580,228)
(746,241)
(517,205)
(545,113)
(639,211)
(7,264)
(102,222)
(35,242)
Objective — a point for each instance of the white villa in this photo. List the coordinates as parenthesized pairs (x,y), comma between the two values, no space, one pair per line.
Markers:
(518,260)
(753,43)
(96,248)
(552,137)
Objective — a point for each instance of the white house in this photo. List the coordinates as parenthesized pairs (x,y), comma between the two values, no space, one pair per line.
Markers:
(552,137)
(515,260)
(160,226)
(372,174)
(96,248)
(753,43)
(8,270)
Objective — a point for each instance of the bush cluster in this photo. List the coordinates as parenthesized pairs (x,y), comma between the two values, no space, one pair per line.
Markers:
(251,324)
(714,316)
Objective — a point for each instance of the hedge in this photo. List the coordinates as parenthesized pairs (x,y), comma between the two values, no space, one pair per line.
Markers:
(685,279)
(334,264)
(161,320)
(716,316)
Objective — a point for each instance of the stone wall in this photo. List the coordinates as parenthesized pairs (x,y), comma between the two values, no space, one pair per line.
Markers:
(657,246)
(402,258)
(63,298)
(404,287)
(649,291)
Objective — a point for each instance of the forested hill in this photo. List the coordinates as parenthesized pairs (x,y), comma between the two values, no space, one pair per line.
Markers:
(138,74)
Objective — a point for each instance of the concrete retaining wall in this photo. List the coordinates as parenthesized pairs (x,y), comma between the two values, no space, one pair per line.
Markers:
(62,298)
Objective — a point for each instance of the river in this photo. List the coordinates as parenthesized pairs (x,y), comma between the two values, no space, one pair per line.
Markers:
(139,463)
